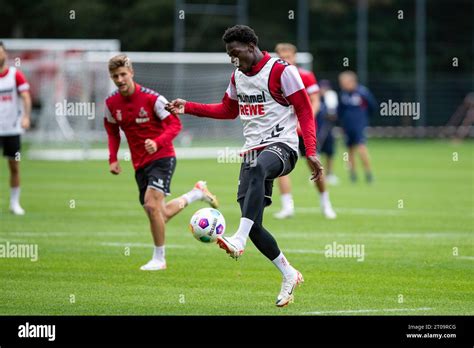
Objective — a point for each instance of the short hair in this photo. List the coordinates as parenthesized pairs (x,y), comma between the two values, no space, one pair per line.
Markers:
(119,61)
(2,45)
(285,46)
(348,73)
(240,33)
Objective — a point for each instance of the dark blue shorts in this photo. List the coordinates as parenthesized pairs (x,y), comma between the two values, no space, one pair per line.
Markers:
(354,137)
(326,143)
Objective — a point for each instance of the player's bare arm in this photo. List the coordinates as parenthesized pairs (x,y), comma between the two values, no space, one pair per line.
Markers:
(26,117)
(316,168)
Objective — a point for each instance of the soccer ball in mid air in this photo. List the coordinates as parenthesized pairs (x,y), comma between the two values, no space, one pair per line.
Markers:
(207,224)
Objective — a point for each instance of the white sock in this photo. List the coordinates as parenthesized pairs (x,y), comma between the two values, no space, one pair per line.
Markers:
(159,253)
(324,197)
(15,196)
(287,202)
(244,229)
(193,195)
(284,266)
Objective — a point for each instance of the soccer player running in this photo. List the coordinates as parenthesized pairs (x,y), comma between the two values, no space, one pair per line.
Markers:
(287,52)
(356,103)
(269,96)
(140,113)
(15,112)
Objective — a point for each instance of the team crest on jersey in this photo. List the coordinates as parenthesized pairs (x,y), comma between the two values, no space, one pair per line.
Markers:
(143,112)
(118,115)
(142,116)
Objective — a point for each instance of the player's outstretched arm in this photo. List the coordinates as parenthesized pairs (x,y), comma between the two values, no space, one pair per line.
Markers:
(176,106)
(227,109)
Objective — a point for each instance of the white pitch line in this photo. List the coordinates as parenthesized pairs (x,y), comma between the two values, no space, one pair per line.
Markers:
(372,310)
(146,245)
(356,211)
(71,234)
(465,257)
(381,234)
(381,212)
(304,251)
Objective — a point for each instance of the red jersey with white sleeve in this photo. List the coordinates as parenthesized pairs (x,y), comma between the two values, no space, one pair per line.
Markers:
(12,83)
(309,81)
(140,116)
(269,99)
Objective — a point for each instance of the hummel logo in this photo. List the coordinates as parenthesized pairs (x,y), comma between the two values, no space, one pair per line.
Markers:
(275,133)
(159,183)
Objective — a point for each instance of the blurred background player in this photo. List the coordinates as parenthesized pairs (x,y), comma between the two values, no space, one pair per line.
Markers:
(270,98)
(356,103)
(287,52)
(15,113)
(326,118)
(150,129)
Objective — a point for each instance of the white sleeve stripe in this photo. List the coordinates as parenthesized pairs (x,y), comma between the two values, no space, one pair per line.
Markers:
(232,91)
(23,87)
(312,89)
(159,107)
(291,81)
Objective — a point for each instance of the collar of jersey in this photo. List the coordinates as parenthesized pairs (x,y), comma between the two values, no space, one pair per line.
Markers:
(257,67)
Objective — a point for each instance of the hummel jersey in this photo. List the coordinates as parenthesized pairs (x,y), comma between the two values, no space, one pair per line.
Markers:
(141,116)
(269,100)
(266,115)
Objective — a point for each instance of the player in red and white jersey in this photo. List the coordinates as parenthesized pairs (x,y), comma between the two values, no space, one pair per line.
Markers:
(269,96)
(140,113)
(287,52)
(15,112)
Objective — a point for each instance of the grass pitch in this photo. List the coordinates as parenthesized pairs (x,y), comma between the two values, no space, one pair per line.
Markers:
(415,223)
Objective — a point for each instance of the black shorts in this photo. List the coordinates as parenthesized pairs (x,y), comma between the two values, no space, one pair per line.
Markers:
(282,152)
(155,175)
(11,145)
